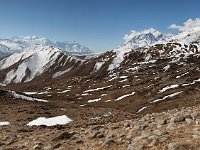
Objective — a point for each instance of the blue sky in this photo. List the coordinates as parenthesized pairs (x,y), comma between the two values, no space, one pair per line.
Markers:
(98,24)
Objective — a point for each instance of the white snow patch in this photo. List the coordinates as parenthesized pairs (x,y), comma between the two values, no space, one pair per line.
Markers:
(125,86)
(27,97)
(177,77)
(187,84)
(1,84)
(119,58)
(47,88)
(30,93)
(123,77)
(124,96)
(168,96)
(9,77)
(146,62)
(133,69)
(45,92)
(5,123)
(142,109)
(85,94)
(103,94)
(95,118)
(97,89)
(59,120)
(108,101)
(94,100)
(113,78)
(65,91)
(98,65)
(60,73)
(123,80)
(166,67)
(168,87)
(150,85)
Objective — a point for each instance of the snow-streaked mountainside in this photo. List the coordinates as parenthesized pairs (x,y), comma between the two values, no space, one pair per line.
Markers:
(19,43)
(146,46)
(187,36)
(28,64)
(151,37)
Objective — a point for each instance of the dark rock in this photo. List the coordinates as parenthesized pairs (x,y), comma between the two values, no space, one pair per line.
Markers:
(108,141)
(162,121)
(63,136)
(57,146)
(178,119)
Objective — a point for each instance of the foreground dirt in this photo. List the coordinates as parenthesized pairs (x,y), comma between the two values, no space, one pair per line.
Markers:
(177,129)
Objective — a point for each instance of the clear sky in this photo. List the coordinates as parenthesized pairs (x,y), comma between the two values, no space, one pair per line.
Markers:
(98,24)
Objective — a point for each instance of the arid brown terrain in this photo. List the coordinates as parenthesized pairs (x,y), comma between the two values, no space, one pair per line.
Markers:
(145,103)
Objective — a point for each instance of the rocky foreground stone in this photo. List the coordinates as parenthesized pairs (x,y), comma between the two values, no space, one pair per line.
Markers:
(177,129)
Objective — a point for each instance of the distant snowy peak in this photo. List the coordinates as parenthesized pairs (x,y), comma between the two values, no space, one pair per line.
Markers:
(143,38)
(149,37)
(135,33)
(19,43)
(31,41)
(73,47)
(8,47)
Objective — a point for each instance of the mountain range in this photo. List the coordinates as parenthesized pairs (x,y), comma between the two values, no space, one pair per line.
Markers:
(9,46)
(33,56)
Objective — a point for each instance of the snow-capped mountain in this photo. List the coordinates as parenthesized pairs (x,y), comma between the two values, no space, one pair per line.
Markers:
(150,37)
(188,36)
(143,38)
(31,41)
(73,47)
(8,47)
(17,44)
(182,44)
(26,65)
